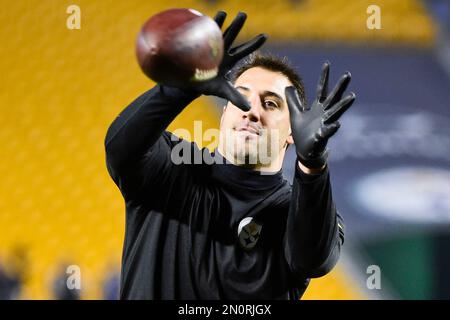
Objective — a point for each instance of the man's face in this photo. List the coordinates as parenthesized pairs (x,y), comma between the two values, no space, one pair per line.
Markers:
(261,134)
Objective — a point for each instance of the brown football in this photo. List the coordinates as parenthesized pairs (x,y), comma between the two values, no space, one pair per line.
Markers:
(179,46)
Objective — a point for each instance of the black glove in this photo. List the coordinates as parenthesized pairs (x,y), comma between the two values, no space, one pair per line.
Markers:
(313,126)
(220,86)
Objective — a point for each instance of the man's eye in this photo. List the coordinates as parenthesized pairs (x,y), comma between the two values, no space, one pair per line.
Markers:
(270,104)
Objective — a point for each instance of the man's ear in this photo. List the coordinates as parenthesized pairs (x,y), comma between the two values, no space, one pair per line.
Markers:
(223,112)
(289,139)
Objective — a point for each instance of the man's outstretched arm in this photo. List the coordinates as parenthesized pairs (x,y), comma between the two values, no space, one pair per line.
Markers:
(140,125)
(314,231)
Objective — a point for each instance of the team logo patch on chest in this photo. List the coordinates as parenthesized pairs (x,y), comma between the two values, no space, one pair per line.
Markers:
(249,232)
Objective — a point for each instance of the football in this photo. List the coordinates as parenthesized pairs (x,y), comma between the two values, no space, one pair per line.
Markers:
(177,47)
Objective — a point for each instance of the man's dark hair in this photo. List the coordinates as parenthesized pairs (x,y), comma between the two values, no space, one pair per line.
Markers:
(275,64)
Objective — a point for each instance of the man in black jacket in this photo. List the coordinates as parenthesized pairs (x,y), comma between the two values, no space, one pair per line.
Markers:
(230,227)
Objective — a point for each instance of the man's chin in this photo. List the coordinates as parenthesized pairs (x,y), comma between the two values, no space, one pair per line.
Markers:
(247,156)
(247,146)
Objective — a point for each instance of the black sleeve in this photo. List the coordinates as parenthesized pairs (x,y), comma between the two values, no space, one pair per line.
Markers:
(137,147)
(314,231)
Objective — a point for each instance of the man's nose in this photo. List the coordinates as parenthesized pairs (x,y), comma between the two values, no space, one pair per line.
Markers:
(254,113)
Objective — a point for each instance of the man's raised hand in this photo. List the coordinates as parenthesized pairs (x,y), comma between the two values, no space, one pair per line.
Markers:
(312,126)
(221,86)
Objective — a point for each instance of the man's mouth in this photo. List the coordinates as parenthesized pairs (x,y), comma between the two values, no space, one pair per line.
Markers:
(248,129)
